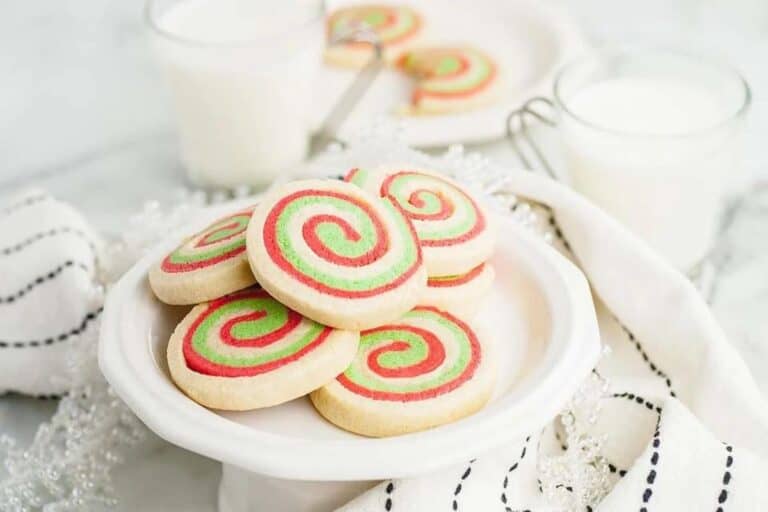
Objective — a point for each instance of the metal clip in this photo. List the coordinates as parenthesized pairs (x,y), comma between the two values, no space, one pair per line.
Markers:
(542,110)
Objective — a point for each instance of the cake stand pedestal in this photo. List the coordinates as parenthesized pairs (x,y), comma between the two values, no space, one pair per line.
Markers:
(243,491)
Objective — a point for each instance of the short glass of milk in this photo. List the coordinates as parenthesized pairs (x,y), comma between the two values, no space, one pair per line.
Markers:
(654,138)
(240,74)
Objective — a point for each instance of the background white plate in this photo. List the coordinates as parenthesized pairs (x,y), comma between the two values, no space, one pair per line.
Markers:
(541,316)
(530,39)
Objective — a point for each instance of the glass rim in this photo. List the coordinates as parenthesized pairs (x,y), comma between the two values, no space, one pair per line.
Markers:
(715,64)
(152,21)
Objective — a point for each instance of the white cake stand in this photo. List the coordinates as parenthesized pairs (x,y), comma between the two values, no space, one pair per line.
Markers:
(287,457)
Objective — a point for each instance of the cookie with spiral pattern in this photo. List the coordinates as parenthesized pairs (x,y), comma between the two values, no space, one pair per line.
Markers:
(336,254)
(455,231)
(246,351)
(450,79)
(463,294)
(396,26)
(207,265)
(426,369)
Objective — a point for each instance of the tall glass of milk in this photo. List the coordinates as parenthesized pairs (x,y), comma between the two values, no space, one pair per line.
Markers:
(240,75)
(653,138)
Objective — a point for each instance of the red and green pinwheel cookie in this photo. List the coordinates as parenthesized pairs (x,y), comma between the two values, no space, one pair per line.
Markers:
(425,369)
(206,265)
(246,350)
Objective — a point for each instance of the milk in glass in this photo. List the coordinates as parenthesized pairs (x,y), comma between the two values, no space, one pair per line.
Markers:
(657,152)
(240,75)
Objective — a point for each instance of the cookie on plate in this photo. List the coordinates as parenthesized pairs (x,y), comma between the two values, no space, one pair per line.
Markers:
(460,295)
(246,351)
(336,254)
(426,369)
(454,230)
(358,176)
(397,27)
(206,265)
(449,79)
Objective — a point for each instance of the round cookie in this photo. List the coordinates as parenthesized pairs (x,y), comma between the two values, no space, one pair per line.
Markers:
(396,26)
(336,254)
(449,79)
(206,265)
(358,176)
(455,232)
(246,351)
(426,369)
(460,295)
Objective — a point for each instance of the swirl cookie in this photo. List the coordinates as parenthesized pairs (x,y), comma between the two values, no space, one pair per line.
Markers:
(449,79)
(454,231)
(460,295)
(426,369)
(358,176)
(396,26)
(207,265)
(246,351)
(336,254)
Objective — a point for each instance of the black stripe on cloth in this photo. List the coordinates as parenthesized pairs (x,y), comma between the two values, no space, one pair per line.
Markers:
(558,232)
(723,496)
(54,339)
(632,397)
(638,400)
(654,461)
(29,201)
(564,446)
(52,396)
(651,478)
(8,299)
(613,469)
(460,485)
(62,230)
(653,366)
(511,470)
(42,397)
(559,438)
(389,489)
(632,338)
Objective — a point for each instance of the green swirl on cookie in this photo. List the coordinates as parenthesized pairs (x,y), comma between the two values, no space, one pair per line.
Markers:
(311,234)
(221,241)
(448,72)
(248,333)
(408,361)
(442,213)
(392,24)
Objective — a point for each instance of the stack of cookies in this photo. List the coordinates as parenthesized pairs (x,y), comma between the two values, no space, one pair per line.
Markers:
(359,293)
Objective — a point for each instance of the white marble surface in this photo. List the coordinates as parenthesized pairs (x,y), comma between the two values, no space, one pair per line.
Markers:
(83,114)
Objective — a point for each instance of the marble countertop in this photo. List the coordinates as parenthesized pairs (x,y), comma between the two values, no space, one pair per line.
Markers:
(84,115)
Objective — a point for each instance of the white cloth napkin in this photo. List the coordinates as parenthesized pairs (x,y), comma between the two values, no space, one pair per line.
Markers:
(686,427)
(48,291)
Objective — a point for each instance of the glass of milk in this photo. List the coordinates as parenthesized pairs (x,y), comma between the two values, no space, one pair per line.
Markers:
(240,75)
(653,138)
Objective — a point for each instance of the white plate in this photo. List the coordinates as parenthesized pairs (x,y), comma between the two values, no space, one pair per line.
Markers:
(541,316)
(530,39)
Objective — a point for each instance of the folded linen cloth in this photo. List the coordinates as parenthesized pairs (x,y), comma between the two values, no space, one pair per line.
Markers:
(48,291)
(685,426)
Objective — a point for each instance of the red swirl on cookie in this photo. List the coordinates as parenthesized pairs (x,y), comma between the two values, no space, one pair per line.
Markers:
(444,214)
(408,360)
(448,73)
(452,281)
(356,238)
(248,333)
(219,242)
